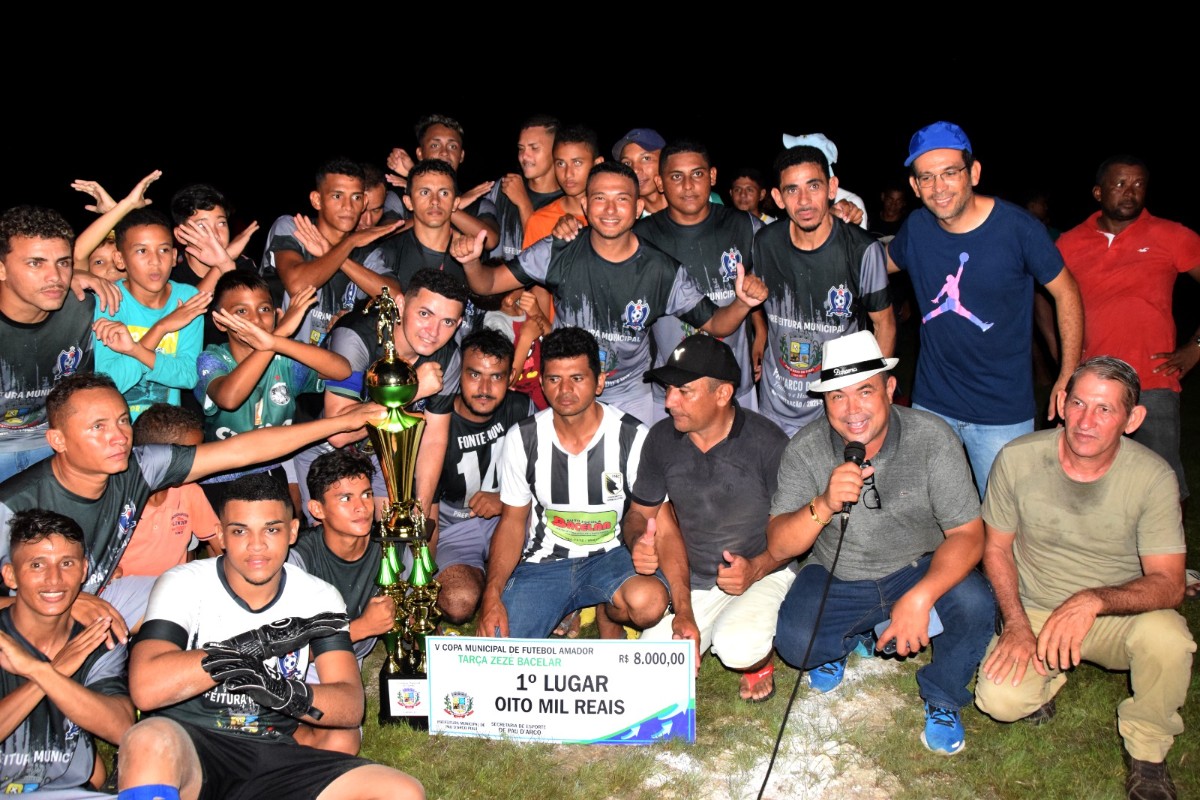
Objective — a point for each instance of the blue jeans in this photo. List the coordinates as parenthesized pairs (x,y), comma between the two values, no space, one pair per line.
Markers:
(853,608)
(21,460)
(537,596)
(983,442)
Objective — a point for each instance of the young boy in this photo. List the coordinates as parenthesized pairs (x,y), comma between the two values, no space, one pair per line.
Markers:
(252,381)
(51,665)
(339,550)
(223,684)
(575,153)
(149,346)
(173,516)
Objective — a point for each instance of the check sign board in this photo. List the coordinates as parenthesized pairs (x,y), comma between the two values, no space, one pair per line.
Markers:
(574,691)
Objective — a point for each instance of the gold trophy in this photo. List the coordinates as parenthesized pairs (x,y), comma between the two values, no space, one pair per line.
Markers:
(403,687)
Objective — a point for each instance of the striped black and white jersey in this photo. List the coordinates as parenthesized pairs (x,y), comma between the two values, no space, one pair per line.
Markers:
(576,501)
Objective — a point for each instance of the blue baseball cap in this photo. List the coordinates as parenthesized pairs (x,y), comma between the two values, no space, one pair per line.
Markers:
(646,138)
(937,136)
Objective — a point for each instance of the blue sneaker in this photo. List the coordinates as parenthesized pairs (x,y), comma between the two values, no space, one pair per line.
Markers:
(826,677)
(943,732)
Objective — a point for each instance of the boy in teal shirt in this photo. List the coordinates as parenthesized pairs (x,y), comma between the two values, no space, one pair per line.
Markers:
(253,380)
(150,345)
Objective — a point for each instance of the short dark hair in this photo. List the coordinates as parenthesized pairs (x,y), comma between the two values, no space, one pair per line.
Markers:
(438,282)
(338,165)
(751,173)
(429,120)
(1111,368)
(1124,159)
(238,279)
(795,156)
(32,222)
(65,389)
(432,166)
(138,218)
(197,197)
(682,146)
(578,134)
(489,342)
(373,175)
(550,123)
(571,343)
(613,168)
(163,423)
(329,468)
(35,524)
(257,487)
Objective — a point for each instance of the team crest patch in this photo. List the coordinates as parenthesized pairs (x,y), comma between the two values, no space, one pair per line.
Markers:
(731,259)
(838,301)
(799,355)
(126,522)
(279,394)
(67,362)
(636,314)
(459,705)
(614,486)
(408,698)
(608,360)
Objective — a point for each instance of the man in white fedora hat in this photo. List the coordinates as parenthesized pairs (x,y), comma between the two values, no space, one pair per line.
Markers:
(904,556)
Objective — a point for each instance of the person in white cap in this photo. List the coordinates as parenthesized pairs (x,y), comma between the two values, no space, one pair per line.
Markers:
(908,549)
(847,205)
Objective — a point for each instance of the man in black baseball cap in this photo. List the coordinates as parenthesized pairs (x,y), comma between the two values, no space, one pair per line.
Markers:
(718,464)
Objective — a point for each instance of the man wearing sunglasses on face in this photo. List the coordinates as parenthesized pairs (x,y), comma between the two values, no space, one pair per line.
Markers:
(908,548)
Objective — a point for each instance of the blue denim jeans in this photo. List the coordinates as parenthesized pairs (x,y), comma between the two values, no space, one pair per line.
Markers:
(853,608)
(983,442)
(21,460)
(537,596)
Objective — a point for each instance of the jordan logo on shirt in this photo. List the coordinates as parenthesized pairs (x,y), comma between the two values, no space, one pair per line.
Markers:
(951,303)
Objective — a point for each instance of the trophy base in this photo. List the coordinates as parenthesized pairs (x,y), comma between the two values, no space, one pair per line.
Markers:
(403,700)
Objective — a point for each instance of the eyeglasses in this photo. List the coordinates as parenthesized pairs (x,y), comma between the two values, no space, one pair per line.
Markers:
(870,495)
(952,175)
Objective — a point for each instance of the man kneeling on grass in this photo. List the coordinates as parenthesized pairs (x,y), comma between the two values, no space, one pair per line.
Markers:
(1086,552)
(222,714)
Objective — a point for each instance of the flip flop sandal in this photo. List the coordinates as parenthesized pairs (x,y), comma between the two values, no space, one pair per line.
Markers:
(756,678)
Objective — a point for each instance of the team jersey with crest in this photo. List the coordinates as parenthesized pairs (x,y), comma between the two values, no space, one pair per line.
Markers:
(473,457)
(576,502)
(107,521)
(175,616)
(337,294)
(354,580)
(815,296)
(617,303)
(33,359)
(272,401)
(355,337)
(711,251)
(47,750)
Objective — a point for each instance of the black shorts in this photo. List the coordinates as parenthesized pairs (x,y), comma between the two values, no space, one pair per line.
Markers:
(236,766)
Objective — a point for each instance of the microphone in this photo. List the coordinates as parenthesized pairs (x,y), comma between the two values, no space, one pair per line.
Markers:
(856,452)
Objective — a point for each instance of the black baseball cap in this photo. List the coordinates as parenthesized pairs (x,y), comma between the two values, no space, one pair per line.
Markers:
(697,356)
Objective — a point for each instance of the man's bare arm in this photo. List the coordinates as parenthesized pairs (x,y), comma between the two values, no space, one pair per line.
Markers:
(1068,307)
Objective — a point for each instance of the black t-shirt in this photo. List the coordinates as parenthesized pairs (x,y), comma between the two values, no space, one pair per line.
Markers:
(473,457)
(711,251)
(35,357)
(355,580)
(47,750)
(108,521)
(723,497)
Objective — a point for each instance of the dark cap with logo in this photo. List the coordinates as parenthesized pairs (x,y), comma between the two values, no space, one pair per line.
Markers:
(697,356)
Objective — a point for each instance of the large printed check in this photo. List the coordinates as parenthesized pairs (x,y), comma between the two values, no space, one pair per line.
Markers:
(596,691)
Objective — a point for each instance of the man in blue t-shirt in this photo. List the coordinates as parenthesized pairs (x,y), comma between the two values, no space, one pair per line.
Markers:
(973,261)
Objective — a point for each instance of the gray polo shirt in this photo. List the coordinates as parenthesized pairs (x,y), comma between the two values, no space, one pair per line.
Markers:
(924,486)
(721,497)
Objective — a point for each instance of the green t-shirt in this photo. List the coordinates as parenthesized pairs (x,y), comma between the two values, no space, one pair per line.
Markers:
(1072,536)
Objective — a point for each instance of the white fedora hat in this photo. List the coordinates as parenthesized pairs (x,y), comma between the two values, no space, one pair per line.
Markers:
(850,360)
